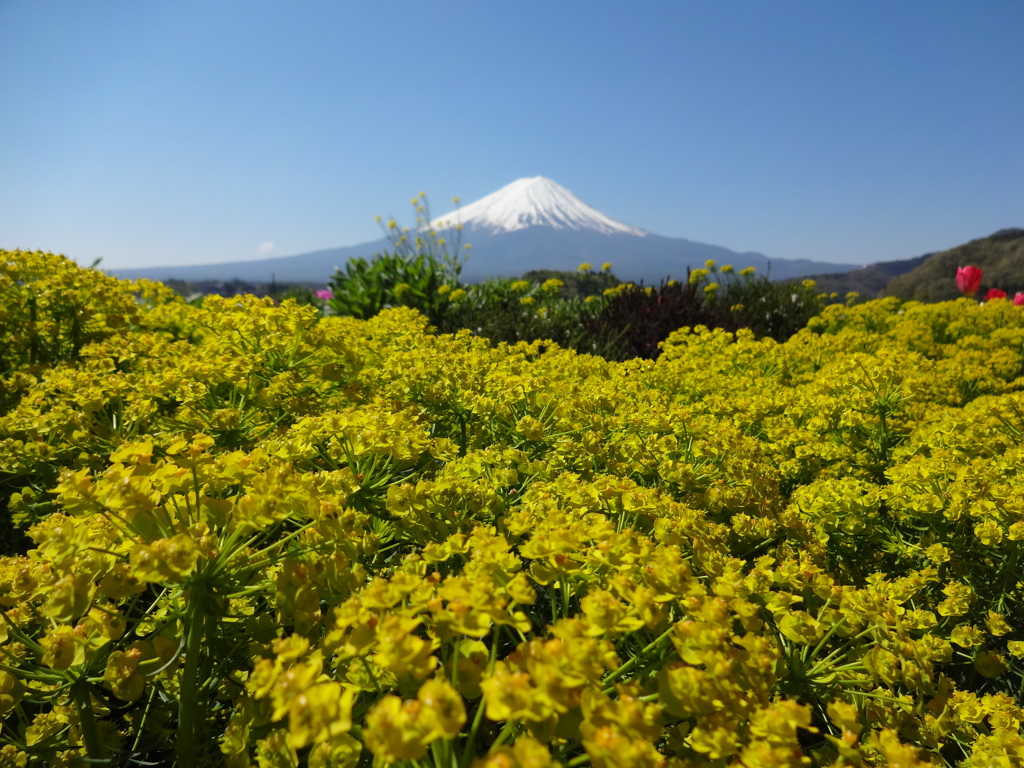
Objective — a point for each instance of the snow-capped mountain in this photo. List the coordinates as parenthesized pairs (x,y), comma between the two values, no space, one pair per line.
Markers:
(532,202)
(532,223)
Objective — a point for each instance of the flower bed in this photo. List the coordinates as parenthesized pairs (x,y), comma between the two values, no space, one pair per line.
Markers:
(258,536)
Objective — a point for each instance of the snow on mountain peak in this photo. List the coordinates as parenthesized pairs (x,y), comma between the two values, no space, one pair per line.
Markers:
(533,202)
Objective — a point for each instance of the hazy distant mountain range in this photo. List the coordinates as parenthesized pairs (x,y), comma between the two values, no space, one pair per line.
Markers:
(532,223)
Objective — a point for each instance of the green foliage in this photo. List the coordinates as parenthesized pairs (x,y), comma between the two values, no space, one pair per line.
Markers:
(509,310)
(421,269)
(579,284)
(769,309)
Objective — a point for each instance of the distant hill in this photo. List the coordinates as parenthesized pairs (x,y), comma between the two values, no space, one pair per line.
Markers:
(868,280)
(932,277)
(1000,258)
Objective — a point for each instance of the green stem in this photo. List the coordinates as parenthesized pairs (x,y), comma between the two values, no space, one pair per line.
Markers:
(508,731)
(879,697)
(188,696)
(90,735)
(470,748)
(630,663)
(825,639)
(469,751)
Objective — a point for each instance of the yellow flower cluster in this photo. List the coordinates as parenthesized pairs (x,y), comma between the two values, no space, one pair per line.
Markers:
(259,537)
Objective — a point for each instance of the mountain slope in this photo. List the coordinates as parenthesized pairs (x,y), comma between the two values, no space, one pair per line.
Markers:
(1000,257)
(530,224)
(867,280)
(533,202)
(314,267)
(651,258)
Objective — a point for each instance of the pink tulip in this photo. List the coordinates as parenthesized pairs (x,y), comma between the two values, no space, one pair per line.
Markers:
(968,280)
(1018,300)
(325,294)
(995,293)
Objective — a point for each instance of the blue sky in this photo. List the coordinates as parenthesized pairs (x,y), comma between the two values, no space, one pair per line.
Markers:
(157,133)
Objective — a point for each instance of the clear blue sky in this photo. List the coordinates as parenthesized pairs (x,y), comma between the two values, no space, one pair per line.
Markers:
(156,133)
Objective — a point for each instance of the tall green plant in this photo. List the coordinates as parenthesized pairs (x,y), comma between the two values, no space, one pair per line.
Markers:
(421,271)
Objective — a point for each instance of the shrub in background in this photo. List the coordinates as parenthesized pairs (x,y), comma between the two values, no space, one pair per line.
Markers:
(776,310)
(585,281)
(423,272)
(544,308)
(640,318)
(590,311)
(420,272)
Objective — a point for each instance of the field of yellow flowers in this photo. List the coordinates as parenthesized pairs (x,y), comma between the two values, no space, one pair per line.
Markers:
(247,535)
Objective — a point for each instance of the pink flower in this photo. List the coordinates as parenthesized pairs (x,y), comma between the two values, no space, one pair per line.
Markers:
(968,280)
(995,293)
(1018,300)
(325,294)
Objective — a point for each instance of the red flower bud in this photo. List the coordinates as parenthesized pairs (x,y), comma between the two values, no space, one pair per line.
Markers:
(1018,300)
(968,280)
(995,293)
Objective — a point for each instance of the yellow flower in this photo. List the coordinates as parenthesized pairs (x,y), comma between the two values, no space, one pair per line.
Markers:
(509,695)
(990,664)
(121,675)
(584,267)
(393,730)
(442,710)
(64,647)
(527,752)
(165,559)
(989,533)
(402,652)
(967,636)
(323,711)
(530,428)
(996,624)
